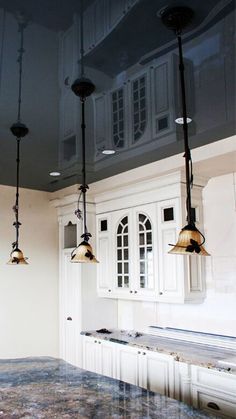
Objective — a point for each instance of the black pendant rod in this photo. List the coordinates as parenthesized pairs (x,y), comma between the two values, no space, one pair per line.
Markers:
(187,154)
(81,39)
(20,59)
(84,186)
(16,207)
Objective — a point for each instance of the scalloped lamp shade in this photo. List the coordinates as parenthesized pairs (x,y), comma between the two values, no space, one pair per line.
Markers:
(17,258)
(83,254)
(189,242)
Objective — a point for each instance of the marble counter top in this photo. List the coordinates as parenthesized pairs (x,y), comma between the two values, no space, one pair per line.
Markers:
(49,388)
(188,352)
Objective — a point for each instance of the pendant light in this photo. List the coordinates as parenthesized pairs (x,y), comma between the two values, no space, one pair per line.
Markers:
(83,87)
(190,240)
(19,130)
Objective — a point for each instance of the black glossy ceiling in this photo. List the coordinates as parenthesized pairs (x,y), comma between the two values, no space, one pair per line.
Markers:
(138,38)
(52,14)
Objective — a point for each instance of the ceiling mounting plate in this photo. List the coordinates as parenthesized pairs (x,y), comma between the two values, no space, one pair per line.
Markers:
(177,18)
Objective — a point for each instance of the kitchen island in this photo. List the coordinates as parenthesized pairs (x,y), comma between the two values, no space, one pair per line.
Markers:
(51,388)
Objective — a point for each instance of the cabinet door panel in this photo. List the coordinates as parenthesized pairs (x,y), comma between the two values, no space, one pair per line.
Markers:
(122,229)
(107,359)
(127,365)
(146,251)
(158,373)
(104,271)
(90,354)
(69,311)
(171,285)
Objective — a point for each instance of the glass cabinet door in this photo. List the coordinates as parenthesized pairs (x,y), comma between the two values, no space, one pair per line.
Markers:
(122,250)
(145,253)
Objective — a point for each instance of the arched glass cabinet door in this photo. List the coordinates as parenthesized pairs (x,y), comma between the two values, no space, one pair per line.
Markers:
(122,250)
(145,252)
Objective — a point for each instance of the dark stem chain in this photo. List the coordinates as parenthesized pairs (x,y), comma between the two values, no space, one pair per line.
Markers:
(16,207)
(20,59)
(84,186)
(187,154)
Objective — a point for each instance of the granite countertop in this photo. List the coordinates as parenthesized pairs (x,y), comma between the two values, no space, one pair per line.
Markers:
(51,388)
(188,352)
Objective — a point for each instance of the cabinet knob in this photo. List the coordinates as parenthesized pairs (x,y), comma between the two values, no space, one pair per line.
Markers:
(109,290)
(144,353)
(131,292)
(69,318)
(160,293)
(95,341)
(135,292)
(99,343)
(213,405)
(139,352)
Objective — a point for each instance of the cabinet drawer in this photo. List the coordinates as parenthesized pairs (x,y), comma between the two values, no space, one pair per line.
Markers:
(214,379)
(216,404)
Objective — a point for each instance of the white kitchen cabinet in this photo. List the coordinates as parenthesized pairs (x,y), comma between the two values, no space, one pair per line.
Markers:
(147,369)
(104,255)
(127,364)
(213,391)
(128,270)
(180,278)
(99,356)
(157,372)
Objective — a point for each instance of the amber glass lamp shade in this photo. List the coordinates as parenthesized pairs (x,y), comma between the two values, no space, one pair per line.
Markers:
(83,254)
(190,242)
(17,258)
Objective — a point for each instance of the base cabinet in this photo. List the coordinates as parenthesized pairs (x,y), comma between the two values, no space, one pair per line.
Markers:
(147,369)
(157,373)
(206,389)
(99,356)
(213,391)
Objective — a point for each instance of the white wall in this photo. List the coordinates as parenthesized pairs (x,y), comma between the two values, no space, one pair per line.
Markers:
(217,314)
(29,294)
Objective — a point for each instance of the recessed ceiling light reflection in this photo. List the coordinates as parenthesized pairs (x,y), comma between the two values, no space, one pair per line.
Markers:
(108,152)
(55,174)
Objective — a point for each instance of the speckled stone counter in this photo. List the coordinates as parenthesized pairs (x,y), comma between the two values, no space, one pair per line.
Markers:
(190,353)
(51,388)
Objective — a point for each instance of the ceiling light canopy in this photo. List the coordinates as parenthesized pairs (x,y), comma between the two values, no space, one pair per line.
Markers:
(19,130)
(83,87)
(190,239)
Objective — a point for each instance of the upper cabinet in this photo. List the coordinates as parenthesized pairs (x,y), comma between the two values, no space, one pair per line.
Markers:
(126,253)
(133,245)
